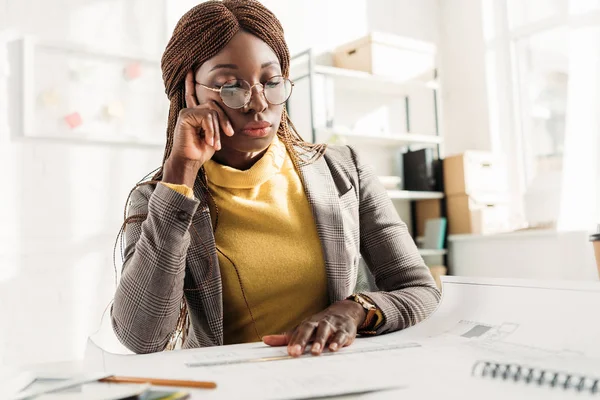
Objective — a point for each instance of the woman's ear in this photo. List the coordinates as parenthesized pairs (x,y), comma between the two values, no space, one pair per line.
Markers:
(191,100)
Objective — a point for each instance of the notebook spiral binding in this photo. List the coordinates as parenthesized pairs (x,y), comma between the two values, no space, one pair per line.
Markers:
(534,375)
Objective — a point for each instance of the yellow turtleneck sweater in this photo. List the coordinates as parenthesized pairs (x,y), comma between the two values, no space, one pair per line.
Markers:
(266,228)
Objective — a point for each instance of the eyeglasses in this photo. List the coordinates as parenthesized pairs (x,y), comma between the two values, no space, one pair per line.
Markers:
(236,93)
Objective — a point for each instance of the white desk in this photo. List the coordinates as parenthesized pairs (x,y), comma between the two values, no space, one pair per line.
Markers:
(508,322)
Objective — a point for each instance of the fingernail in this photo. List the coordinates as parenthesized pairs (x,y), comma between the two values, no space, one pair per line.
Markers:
(316,347)
(333,347)
(297,350)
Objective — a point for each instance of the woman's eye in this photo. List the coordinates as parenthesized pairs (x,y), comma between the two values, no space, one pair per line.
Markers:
(232,84)
(272,84)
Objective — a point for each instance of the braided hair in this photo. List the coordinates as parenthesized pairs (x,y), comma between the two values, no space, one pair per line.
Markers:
(202,33)
(199,35)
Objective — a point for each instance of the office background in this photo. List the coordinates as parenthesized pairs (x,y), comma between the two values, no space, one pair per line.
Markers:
(518,79)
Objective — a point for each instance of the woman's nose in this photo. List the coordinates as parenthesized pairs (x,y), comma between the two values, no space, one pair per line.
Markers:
(258,102)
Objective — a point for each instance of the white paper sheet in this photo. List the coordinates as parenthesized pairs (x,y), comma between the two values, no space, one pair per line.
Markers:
(552,325)
(58,386)
(249,371)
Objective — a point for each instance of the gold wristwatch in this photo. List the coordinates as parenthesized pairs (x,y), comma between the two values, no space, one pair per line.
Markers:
(371,309)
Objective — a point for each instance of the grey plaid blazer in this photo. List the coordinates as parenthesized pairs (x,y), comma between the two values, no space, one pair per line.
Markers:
(354,218)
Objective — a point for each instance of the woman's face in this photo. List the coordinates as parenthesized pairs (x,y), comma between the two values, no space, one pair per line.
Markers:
(248,58)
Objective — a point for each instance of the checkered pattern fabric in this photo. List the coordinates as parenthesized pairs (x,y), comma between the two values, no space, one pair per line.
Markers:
(355,219)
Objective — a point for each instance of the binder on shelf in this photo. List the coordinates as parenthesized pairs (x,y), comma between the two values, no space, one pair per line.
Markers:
(435,233)
(536,376)
(422,171)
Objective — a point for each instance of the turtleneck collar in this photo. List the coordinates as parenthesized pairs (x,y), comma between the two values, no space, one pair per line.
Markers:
(263,170)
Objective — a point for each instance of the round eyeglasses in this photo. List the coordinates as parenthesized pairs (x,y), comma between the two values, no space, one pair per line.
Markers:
(236,93)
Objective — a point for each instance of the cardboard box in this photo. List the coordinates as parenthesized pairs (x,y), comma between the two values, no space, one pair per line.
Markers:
(475,173)
(480,216)
(424,210)
(388,55)
(597,254)
(595,239)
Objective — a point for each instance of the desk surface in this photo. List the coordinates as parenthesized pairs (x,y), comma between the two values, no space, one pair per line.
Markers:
(505,322)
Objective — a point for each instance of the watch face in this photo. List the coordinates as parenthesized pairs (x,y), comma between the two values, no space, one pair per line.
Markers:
(364,302)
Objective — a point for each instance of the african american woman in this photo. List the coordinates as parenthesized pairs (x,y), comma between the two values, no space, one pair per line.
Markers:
(247,232)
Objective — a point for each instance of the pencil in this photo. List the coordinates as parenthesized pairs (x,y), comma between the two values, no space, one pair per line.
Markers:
(160,382)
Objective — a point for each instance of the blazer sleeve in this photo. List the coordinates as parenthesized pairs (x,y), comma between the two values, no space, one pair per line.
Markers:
(408,292)
(147,300)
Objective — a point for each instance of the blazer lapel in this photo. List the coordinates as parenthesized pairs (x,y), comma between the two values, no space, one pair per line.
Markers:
(323,197)
(205,272)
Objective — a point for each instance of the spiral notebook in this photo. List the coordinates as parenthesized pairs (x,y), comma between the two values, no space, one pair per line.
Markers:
(542,377)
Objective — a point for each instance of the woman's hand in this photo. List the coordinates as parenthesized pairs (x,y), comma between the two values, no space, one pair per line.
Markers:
(196,138)
(336,327)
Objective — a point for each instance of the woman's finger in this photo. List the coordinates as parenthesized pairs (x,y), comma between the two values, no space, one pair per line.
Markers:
(190,90)
(224,122)
(339,340)
(300,338)
(209,132)
(324,332)
(277,340)
(217,129)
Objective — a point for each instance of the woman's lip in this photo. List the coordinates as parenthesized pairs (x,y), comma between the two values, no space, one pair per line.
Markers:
(261,132)
(257,125)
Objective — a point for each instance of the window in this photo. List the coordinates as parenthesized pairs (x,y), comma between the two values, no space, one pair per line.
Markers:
(542,68)
(525,12)
(543,85)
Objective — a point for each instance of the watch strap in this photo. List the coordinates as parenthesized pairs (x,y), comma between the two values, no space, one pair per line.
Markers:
(374,317)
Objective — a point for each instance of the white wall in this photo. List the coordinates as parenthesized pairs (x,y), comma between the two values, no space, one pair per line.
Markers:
(62,203)
(324,25)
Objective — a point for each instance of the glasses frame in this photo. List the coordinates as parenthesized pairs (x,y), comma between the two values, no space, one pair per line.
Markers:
(218,90)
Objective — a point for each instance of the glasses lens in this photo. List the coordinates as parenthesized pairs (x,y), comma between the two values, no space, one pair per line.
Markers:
(278,89)
(235,93)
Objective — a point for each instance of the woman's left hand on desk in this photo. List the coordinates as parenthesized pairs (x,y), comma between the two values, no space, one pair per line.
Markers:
(336,326)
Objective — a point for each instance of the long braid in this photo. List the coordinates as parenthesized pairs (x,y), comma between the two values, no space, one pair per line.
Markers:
(198,36)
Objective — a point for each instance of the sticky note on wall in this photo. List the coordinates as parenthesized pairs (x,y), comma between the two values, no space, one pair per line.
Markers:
(114,109)
(133,71)
(73,120)
(49,98)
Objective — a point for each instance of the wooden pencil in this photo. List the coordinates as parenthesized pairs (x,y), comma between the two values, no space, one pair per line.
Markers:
(160,382)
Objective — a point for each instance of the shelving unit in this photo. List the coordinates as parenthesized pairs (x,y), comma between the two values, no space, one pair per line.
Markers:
(365,80)
(397,141)
(414,195)
(390,139)
(433,252)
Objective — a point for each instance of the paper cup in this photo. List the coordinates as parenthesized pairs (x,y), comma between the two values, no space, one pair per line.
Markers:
(595,239)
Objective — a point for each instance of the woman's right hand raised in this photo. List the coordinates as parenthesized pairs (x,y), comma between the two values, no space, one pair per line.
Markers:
(196,138)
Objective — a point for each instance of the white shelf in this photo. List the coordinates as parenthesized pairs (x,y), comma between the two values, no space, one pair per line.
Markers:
(364,81)
(432,252)
(414,195)
(390,139)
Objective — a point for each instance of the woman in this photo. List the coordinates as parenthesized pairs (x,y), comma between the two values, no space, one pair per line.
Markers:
(247,231)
